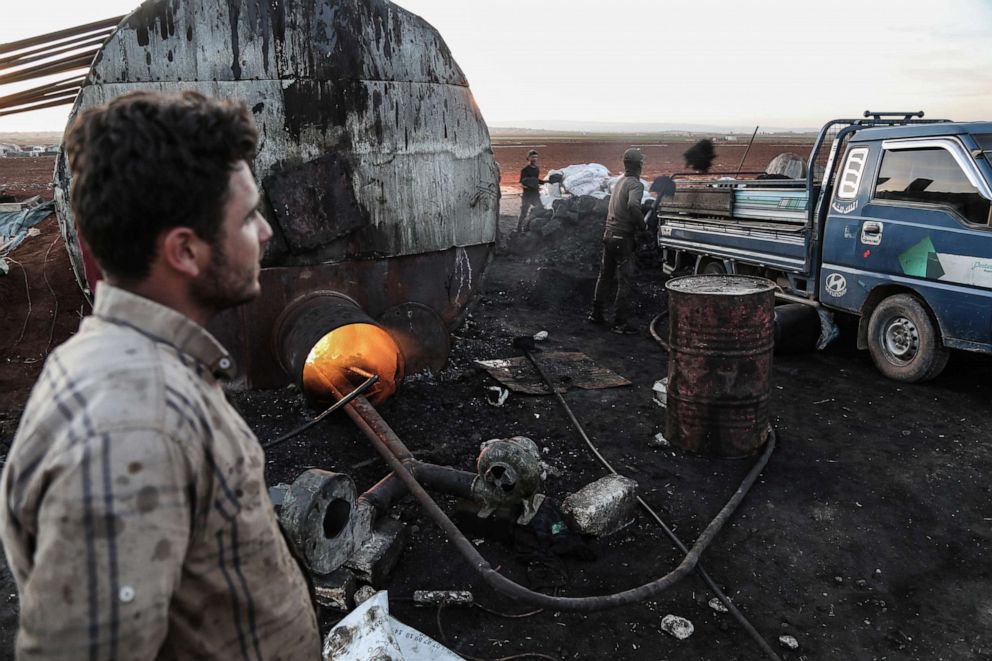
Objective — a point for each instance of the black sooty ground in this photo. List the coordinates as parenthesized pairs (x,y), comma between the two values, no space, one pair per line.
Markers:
(868,535)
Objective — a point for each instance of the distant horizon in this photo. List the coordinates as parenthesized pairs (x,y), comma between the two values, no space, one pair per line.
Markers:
(705,66)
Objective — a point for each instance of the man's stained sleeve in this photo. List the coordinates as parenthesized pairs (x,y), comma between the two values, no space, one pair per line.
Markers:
(113,529)
(634,198)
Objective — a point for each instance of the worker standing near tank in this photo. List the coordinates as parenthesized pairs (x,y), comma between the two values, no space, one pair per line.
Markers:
(133,499)
(530,180)
(623,221)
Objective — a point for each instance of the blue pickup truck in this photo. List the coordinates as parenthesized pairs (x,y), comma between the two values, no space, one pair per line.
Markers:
(891,223)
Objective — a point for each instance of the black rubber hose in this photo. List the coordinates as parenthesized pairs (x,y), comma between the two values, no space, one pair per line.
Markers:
(737,614)
(515,590)
(654,332)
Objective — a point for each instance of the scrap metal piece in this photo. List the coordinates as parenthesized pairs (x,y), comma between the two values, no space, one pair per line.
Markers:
(443,598)
(602,507)
(509,473)
(376,557)
(565,368)
(317,516)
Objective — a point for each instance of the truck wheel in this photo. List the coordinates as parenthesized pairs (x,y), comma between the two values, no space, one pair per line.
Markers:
(904,342)
(713,267)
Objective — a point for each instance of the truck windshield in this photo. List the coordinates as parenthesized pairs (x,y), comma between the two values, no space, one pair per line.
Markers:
(930,176)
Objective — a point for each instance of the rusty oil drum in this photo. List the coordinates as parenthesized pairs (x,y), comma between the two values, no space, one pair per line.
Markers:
(721,335)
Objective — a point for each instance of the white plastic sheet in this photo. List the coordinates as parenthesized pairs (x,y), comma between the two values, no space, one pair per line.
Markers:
(369,633)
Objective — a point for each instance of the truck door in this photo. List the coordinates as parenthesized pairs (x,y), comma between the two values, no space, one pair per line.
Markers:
(843,228)
(924,227)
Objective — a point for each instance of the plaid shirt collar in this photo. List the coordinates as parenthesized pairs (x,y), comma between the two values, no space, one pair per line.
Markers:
(162,324)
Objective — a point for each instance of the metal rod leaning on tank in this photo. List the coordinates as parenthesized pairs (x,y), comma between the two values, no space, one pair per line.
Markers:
(342,401)
(391,449)
(738,615)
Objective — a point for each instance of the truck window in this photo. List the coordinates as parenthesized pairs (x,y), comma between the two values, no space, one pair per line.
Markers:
(930,176)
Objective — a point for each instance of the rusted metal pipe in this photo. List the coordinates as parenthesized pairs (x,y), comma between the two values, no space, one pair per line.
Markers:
(391,449)
(445,479)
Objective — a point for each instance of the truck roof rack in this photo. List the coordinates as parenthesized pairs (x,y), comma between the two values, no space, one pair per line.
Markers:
(893,118)
(907,116)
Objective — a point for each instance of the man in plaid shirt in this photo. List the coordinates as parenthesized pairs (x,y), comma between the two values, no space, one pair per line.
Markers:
(133,507)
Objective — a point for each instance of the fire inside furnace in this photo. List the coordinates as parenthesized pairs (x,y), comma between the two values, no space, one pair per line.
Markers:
(347,356)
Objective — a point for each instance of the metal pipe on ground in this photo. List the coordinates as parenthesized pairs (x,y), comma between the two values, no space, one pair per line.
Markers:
(391,449)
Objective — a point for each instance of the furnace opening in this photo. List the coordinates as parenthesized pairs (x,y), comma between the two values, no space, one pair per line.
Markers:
(347,356)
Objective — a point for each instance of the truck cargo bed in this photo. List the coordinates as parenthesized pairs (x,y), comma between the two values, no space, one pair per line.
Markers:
(774,200)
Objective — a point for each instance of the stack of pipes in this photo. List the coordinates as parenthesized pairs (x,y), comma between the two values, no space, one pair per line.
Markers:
(43,57)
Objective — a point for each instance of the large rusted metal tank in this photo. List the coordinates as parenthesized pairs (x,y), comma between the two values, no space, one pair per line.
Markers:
(721,337)
(374,162)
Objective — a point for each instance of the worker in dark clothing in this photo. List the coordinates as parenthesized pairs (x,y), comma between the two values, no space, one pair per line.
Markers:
(623,221)
(530,179)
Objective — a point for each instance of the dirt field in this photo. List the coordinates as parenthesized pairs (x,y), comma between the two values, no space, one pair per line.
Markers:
(867,536)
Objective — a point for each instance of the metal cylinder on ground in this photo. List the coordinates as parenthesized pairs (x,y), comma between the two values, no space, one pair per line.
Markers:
(721,334)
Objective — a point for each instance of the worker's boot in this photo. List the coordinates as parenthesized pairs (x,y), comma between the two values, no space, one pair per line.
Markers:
(596,317)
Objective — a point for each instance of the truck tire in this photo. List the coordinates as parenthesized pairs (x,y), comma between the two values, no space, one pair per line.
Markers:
(904,342)
(713,267)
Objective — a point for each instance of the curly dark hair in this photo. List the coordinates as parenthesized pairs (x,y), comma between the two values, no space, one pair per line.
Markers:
(147,162)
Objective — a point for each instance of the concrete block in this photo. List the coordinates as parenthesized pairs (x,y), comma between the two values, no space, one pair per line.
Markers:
(376,557)
(602,507)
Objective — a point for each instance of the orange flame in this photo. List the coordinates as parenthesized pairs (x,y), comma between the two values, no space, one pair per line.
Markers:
(349,355)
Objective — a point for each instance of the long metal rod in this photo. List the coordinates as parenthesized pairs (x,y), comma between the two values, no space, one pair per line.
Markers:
(77,42)
(738,615)
(69,95)
(81,61)
(744,157)
(12,46)
(61,85)
(45,53)
(51,104)
(391,449)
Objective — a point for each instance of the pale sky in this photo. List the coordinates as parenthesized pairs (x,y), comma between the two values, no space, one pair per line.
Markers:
(775,63)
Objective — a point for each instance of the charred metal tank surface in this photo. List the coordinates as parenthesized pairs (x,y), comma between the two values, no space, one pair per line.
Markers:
(721,334)
(374,162)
